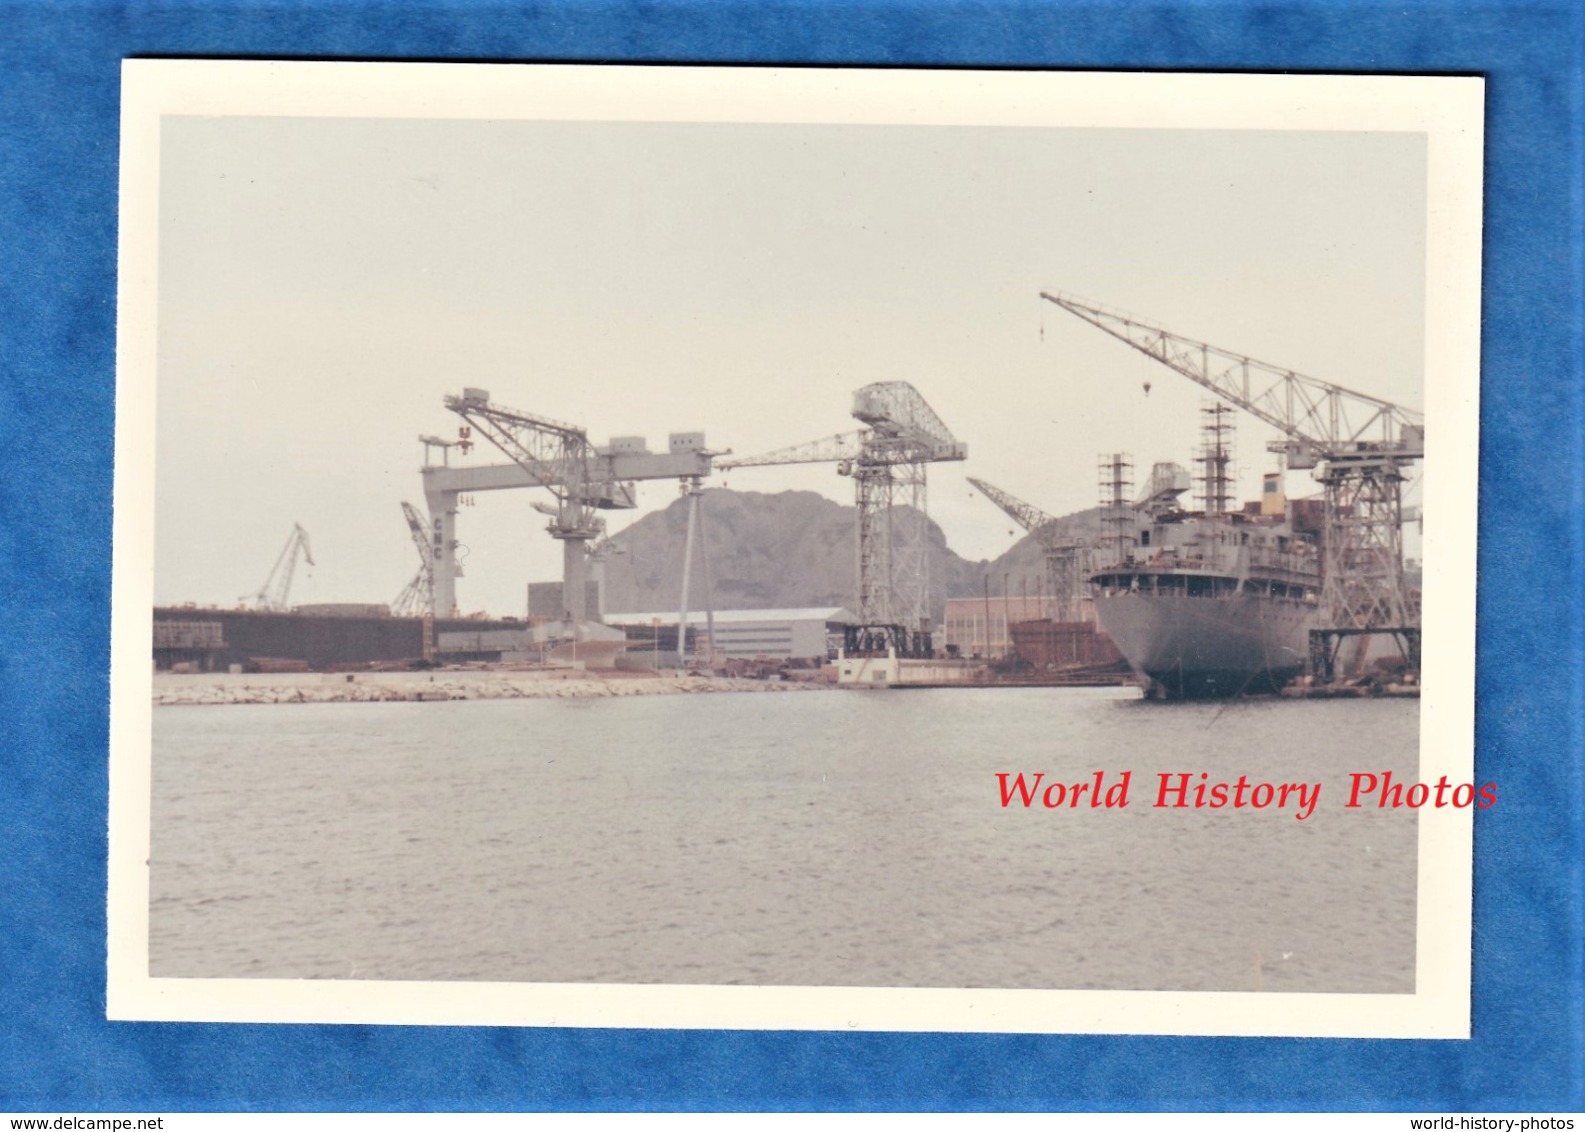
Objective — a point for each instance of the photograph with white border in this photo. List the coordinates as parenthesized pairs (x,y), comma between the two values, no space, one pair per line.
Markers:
(1154,714)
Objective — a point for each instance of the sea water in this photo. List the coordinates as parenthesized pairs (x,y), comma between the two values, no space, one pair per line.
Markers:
(825,838)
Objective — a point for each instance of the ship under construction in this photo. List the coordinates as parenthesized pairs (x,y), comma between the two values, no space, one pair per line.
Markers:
(1223,600)
(1209,603)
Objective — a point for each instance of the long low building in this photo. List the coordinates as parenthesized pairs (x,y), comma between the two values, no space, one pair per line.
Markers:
(742,634)
(214,639)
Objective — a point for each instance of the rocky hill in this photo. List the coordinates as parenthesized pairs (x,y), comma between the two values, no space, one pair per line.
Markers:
(792,549)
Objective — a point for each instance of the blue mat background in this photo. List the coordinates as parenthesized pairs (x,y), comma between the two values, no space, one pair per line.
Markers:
(59,67)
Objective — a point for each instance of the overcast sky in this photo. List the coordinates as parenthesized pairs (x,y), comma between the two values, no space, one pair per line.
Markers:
(323,283)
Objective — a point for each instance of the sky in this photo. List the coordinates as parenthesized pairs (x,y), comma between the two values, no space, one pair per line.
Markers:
(324,282)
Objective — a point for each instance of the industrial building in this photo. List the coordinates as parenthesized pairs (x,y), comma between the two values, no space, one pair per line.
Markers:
(213,640)
(741,634)
(979,626)
(1051,646)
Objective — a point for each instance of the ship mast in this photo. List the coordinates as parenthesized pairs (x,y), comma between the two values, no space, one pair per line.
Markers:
(1216,457)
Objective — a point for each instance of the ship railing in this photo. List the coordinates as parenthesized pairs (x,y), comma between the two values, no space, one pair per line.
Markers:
(1226,560)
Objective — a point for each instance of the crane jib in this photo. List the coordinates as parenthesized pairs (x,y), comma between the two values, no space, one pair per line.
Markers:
(1327,415)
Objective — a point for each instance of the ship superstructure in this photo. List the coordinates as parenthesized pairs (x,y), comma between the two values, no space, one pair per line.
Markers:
(1211,606)
(1207,603)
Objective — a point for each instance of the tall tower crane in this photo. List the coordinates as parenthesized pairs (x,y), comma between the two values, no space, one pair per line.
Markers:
(1066,560)
(887,460)
(418,598)
(275,594)
(1360,447)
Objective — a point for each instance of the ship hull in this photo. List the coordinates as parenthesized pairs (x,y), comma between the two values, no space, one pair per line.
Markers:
(1209,647)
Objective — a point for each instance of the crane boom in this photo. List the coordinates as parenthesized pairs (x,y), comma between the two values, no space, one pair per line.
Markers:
(831,450)
(420,536)
(275,594)
(1031,518)
(1065,558)
(584,479)
(556,455)
(1321,420)
(895,409)
(418,597)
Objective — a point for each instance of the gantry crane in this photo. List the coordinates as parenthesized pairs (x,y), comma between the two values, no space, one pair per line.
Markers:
(584,479)
(1360,448)
(1067,561)
(275,594)
(560,458)
(887,460)
(418,598)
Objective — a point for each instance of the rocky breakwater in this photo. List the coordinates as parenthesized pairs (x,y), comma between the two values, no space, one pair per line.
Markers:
(408,687)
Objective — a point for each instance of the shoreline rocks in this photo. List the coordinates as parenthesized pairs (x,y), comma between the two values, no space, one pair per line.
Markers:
(402,687)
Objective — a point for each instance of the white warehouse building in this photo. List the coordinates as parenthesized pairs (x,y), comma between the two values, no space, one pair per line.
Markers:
(743,634)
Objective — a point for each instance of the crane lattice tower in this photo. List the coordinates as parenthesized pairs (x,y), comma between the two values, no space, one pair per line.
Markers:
(887,461)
